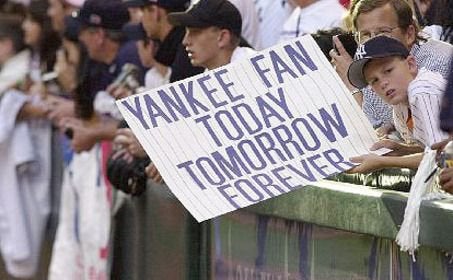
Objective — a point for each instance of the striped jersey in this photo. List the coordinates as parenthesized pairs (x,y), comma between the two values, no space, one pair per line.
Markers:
(425,97)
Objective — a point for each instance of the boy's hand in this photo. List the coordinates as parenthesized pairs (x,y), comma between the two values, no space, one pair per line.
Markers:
(367,163)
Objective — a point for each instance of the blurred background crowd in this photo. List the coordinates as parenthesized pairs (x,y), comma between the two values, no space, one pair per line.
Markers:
(68,159)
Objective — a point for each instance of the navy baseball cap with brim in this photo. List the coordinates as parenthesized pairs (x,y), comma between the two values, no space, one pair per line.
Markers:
(206,13)
(134,3)
(72,28)
(377,47)
(108,14)
(170,5)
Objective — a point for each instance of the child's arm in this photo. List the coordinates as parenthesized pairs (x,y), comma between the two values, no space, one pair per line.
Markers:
(372,162)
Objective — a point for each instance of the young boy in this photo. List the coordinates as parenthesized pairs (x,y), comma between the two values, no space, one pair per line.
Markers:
(415,95)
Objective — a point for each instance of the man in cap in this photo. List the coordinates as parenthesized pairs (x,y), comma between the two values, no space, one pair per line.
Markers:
(171,61)
(101,33)
(213,33)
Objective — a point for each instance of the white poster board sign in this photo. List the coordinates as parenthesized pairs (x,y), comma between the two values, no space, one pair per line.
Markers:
(252,130)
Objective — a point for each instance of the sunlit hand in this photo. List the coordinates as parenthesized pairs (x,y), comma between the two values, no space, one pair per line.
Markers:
(341,61)
(385,130)
(124,154)
(153,174)
(119,92)
(126,137)
(367,163)
(439,146)
(83,136)
(398,149)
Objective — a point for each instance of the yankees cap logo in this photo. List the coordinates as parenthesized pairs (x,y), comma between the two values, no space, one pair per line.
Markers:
(360,52)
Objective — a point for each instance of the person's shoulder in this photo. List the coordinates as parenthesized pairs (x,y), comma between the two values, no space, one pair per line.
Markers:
(242,52)
(427,83)
(128,47)
(434,31)
(129,53)
(435,46)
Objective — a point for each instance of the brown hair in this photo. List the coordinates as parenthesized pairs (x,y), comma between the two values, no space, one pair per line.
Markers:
(10,27)
(402,9)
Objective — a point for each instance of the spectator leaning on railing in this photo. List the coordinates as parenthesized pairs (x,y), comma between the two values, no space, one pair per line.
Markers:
(386,65)
(393,18)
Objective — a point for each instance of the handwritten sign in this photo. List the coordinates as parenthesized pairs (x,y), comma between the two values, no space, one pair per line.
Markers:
(251,130)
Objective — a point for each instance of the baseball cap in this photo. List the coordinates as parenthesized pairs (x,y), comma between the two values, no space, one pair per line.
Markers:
(220,13)
(108,14)
(134,3)
(72,28)
(377,47)
(170,5)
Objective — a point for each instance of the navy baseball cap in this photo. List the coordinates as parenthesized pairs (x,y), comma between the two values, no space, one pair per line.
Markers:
(206,13)
(108,14)
(377,47)
(72,28)
(134,3)
(170,5)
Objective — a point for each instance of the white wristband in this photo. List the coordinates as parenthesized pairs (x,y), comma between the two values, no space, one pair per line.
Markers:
(354,92)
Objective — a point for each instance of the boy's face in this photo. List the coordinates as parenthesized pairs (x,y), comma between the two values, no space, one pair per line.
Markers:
(202,46)
(390,77)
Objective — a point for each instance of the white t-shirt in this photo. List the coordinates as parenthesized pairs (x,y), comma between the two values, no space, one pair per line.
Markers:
(425,98)
(323,14)
(242,52)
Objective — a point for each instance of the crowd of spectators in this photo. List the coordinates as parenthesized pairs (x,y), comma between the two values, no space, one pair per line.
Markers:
(63,63)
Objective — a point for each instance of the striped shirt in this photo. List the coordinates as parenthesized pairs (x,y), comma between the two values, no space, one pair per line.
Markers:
(433,55)
(425,97)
